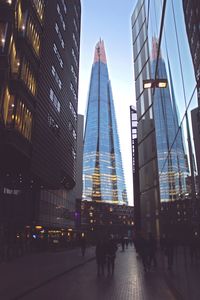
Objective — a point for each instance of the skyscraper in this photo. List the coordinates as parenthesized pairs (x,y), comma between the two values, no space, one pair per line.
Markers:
(169,139)
(39,64)
(102,163)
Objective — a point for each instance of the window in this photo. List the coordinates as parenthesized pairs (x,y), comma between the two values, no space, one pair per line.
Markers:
(73,111)
(23,120)
(74,74)
(57,78)
(54,100)
(73,91)
(28,77)
(59,35)
(61,17)
(33,36)
(64,6)
(53,125)
(14,60)
(75,42)
(8,108)
(3,33)
(74,56)
(55,49)
(39,7)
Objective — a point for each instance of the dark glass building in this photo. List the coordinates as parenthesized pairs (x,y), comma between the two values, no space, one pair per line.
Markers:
(103,177)
(39,64)
(166,158)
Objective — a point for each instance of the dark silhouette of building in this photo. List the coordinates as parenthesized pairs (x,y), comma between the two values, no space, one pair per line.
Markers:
(39,67)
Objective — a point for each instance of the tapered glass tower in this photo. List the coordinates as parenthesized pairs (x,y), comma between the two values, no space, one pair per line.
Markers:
(103,176)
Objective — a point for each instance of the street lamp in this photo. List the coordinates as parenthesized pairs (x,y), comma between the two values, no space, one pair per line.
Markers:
(154,83)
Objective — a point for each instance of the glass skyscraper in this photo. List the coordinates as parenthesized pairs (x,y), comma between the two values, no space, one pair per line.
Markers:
(172,160)
(103,176)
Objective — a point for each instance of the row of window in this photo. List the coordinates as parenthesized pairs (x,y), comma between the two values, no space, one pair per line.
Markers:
(73,91)
(59,35)
(73,111)
(61,17)
(19,116)
(28,77)
(74,56)
(53,125)
(33,36)
(56,76)
(55,49)
(39,6)
(70,126)
(54,100)
(74,74)
(75,42)
(64,6)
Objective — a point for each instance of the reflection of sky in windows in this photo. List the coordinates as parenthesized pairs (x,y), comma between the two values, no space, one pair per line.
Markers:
(102,166)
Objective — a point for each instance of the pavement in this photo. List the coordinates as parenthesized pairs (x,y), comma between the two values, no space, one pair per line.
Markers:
(66,275)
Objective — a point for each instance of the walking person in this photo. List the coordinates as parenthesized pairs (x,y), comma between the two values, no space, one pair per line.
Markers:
(123,243)
(83,245)
(151,246)
(111,249)
(169,250)
(100,256)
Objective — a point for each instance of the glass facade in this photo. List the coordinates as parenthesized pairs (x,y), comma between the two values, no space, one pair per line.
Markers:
(102,163)
(168,169)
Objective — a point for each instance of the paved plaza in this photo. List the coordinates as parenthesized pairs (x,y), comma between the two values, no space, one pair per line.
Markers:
(68,275)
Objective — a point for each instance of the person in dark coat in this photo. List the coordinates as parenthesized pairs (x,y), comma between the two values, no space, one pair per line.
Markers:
(169,250)
(100,256)
(83,245)
(151,246)
(111,250)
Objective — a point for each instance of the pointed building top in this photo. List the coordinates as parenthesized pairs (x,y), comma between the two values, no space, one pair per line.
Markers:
(100,52)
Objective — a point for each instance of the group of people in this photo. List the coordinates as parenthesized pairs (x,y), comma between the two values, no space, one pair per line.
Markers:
(105,255)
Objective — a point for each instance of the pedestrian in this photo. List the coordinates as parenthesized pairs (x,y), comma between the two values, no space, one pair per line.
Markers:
(169,250)
(123,243)
(142,247)
(83,245)
(111,249)
(126,242)
(100,256)
(151,249)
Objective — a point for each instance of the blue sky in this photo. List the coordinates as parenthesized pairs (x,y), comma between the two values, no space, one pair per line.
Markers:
(110,20)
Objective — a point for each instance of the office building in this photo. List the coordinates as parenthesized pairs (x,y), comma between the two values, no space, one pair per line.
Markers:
(39,65)
(103,177)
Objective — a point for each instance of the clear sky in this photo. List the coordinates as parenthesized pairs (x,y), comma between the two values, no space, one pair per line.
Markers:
(110,20)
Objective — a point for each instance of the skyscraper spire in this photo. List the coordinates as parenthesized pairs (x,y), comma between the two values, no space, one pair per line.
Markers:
(103,176)
(100,53)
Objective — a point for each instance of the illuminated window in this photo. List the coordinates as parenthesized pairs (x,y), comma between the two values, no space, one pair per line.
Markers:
(14,60)
(33,35)
(39,7)
(74,74)
(8,108)
(3,32)
(73,111)
(28,77)
(73,91)
(23,120)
